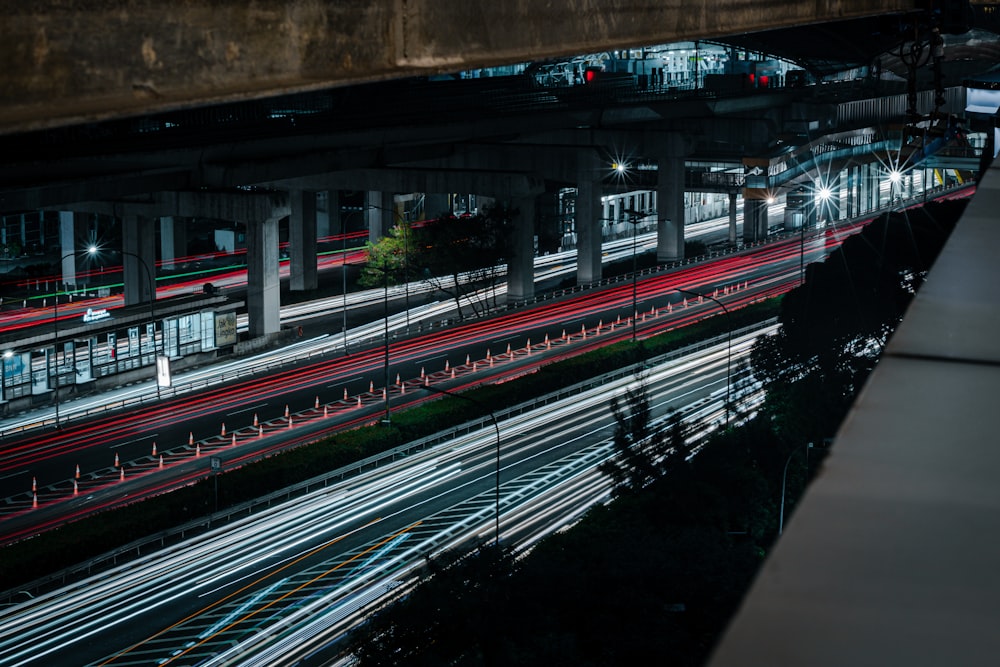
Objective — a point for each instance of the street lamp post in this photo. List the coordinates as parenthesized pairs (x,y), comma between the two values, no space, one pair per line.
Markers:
(729,344)
(496,426)
(781,515)
(385,306)
(55,327)
(152,311)
(634,221)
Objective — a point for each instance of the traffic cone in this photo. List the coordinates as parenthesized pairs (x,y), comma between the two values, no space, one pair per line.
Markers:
(154,450)
(371,386)
(548,345)
(359,400)
(345,393)
(255,422)
(619,320)
(383,393)
(190,438)
(197,449)
(286,409)
(116,459)
(452,373)
(564,334)
(529,346)
(427,382)
(260,431)
(446,366)
(316,404)
(475,365)
(161,460)
(508,349)
(670,308)
(467,360)
(34,500)
(422,374)
(76,488)
(326,412)
(34,485)
(77,472)
(397,378)
(223,429)
(121,477)
(289,422)
(600,323)
(685,302)
(234,440)
(583,331)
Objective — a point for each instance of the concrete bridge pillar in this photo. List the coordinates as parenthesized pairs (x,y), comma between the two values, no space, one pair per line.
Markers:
(138,259)
(435,204)
(263,284)
(587,220)
(732,217)
(72,226)
(755,222)
(670,198)
(303,275)
(521,265)
(379,213)
(327,212)
(173,239)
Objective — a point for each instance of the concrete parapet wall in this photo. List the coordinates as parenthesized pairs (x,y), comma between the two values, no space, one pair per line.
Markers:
(73,61)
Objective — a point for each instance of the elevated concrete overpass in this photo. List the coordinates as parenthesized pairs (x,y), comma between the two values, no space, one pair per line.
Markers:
(66,63)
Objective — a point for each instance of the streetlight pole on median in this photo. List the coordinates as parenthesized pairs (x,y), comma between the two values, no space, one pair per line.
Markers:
(633,219)
(157,349)
(496,426)
(729,344)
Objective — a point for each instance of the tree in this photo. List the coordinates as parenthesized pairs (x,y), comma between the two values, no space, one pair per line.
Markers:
(461,256)
(390,261)
(644,451)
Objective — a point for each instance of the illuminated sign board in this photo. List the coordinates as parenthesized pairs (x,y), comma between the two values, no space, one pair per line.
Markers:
(96,315)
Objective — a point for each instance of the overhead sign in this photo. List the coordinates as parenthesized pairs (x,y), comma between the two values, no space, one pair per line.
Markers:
(96,315)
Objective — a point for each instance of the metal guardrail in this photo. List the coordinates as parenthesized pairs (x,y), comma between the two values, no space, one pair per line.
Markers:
(136,548)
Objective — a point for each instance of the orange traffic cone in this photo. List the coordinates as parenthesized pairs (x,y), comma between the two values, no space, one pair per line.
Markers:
(289,422)
(77,472)
(197,449)
(345,393)
(286,409)
(466,360)
(234,440)
(76,488)
(34,485)
(326,412)
(260,431)
(255,421)
(116,459)
(34,500)
(316,404)
(223,429)
(446,366)
(161,460)
(190,438)
(154,450)
(422,374)
(121,477)
(371,386)
(359,400)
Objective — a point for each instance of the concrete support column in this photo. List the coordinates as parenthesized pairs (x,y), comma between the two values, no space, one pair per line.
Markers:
(303,275)
(849,203)
(173,240)
(72,226)
(521,266)
(754,219)
(327,212)
(588,226)
(435,205)
(263,285)
(732,217)
(670,214)
(138,258)
(379,214)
